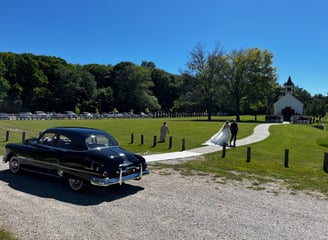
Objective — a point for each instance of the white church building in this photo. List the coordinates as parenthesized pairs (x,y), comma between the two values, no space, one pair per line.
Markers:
(288,106)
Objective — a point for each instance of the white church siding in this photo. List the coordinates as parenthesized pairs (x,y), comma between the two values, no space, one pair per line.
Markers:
(288,101)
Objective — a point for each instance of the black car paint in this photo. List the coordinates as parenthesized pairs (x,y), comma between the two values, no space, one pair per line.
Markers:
(79,162)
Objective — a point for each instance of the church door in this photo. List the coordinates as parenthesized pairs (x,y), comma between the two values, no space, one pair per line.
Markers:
(287,113)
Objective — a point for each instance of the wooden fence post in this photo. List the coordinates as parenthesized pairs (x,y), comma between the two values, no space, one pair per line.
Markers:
(132,138)
(154,141)
(286,158)
(183,144)
(7,136)
(23,137)
(170,142)
(142,139)
(248,157)
(224,148)
(325,162)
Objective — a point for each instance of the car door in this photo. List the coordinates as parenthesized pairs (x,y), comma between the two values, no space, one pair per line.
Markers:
(43,155)
(73,160)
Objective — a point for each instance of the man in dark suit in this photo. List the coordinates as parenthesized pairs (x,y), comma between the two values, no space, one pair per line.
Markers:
(233,130)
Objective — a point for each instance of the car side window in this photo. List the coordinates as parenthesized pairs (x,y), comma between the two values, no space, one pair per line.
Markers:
(63,142)
(55,140)
(47,139)
(95,141)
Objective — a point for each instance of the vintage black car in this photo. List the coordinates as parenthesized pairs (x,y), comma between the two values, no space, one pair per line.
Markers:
(78,154)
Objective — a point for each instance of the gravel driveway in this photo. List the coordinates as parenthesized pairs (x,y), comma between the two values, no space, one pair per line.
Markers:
(163,205)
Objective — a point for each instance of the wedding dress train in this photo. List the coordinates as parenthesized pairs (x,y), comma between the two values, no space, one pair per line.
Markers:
(221,137)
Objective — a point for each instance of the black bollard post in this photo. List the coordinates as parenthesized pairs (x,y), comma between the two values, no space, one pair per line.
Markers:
(23,137)
(183,144)
(325,162)
(142,139)
(170,142)
(248,158)
(154,141)
(7,136)
(286,158)
(224,148)
(132,138)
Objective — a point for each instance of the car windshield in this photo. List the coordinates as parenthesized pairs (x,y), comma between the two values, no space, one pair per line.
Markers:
(97,141)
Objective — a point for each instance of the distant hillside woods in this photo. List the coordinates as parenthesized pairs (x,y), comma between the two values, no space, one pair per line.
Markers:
(31,82)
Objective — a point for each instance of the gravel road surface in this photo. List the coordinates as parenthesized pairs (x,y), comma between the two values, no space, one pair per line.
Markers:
(163,205)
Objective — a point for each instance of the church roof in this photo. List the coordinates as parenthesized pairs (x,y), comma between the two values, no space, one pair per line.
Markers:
(288,100)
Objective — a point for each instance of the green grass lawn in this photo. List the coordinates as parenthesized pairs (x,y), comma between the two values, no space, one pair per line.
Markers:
(195,131)
(5,235)
(306,145)
(267,159)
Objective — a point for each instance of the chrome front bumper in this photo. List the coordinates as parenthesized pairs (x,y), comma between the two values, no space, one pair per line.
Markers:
(104,182)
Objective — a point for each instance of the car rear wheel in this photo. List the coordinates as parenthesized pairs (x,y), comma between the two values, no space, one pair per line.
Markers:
(14,166)
(75,184)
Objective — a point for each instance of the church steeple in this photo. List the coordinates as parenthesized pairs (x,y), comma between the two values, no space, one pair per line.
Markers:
(289,85)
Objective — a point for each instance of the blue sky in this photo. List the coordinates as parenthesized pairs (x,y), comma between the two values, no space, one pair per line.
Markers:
(166,31)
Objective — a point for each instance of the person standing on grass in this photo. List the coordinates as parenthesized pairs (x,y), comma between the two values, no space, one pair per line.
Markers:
(234,131)
(163,132)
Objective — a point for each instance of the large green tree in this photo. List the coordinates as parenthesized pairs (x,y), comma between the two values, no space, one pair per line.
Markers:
(74,89)
(4,84)
(27,81)
(103,77)
(317,106)
(209,73)
(105,100)
(33,81)
(13,100)
(166,88)
(240,82)
(51,67)
(252,78)
(132,88)
(102,74)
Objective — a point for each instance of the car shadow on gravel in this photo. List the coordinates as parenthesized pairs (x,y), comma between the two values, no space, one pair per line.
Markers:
(57,188)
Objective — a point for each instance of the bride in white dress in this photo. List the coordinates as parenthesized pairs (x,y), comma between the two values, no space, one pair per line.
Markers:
(221,137)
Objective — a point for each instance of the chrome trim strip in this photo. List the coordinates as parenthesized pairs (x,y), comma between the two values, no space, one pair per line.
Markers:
(104,182)
(59,166)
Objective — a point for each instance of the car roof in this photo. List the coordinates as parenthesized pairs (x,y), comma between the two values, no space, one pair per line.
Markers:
(78,134)
(75,130)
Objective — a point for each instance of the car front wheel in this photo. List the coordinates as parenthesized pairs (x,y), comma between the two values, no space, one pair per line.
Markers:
(75,184)
(14,165)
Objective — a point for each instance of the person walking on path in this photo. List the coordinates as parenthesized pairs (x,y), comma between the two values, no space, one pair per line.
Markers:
(234,131)
(163,132)
(221,137)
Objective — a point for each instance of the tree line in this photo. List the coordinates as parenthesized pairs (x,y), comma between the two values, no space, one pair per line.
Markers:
(238,82)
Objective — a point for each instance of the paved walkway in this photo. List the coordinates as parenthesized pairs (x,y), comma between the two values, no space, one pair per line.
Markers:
(261,132)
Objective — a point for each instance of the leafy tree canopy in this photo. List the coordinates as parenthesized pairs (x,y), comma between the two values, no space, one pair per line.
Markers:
(238,82)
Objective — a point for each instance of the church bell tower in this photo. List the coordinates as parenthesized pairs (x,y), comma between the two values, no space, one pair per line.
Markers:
(289,85)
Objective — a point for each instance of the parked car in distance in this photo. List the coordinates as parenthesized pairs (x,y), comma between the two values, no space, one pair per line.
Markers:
(40,115)
(86,115)
(4,116)
(70,115)
(81,155)
(25,116)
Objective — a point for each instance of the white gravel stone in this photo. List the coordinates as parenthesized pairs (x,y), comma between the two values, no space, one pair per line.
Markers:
(163,205)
